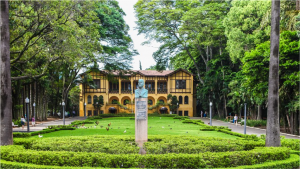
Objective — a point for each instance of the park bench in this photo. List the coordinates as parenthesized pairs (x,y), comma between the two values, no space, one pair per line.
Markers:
(13,125)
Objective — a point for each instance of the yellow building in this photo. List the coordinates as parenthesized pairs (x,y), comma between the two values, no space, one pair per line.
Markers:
(118,93)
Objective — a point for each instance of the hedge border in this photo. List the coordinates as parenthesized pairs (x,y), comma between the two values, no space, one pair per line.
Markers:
(211,160)
(291,162)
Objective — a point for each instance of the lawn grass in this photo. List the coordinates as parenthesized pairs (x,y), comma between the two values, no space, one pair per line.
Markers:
(156,126)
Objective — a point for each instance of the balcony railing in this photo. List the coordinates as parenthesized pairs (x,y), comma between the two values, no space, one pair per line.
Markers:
(126,91)
(162,91)
(151,91)
(99,90)
(113,91)
(174,90)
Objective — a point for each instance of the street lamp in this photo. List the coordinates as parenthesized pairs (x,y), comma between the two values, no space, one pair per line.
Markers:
(33,111)
(97,108)
(63,104)
(245,119)
(27,112)
(84,109)
(177,108)
(210,104)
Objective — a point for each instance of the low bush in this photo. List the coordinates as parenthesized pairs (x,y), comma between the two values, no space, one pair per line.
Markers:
(255,123)
(189,144)
(94,117)
(187,121)
(171,160)
(16,165)
(46,130)
(291,162)
(19,134)
(293,144)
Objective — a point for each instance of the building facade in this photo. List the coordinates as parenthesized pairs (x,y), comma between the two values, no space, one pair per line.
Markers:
(118,92)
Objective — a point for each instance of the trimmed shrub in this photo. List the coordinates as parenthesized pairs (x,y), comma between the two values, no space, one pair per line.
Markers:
(291,162)
(19,134)
(171,160)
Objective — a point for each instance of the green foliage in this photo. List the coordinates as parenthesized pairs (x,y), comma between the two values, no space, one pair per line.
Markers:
(195,145)
(291,162)
(255,123)
(222,159)
(246,25)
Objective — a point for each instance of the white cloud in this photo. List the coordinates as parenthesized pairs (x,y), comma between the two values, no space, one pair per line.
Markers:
(146,51)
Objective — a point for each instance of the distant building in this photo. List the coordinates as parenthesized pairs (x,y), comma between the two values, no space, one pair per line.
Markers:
(179,83)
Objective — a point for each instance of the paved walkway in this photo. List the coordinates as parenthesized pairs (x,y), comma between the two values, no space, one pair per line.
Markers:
(44,125)
(240,129)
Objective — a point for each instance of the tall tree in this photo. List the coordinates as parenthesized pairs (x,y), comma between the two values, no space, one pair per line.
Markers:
(273,126)
(5,78)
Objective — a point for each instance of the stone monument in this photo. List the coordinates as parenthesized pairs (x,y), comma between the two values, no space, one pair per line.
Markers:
(141,115)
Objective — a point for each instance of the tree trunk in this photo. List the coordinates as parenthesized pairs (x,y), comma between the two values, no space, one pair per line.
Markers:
(297,5)
(292,123)
(6,98)
(259,112)
(289,124)
(273,128)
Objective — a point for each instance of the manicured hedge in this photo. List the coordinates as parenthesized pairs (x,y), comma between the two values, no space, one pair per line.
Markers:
(104,144)
(294,144)
(190,144)
(291,162)
(47,130)
(17,165)
(223,129)
(171,160)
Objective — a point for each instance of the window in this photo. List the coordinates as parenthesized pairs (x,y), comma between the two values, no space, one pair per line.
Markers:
(180,84)
(150,102)
(150,86)
(126,86)
(186,100)
(180,113)
(95,112)
(89,99)
(89,112)
(186,113)
(97,83)
(162,85)
(95,99)
(180,100)
(161,101)
(126,101)
(114,87)
(115,101)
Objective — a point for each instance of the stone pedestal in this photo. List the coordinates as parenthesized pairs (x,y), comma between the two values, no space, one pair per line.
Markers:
(141,120)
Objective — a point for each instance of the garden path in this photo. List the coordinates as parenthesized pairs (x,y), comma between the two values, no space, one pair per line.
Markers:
(240,129)
(50,122)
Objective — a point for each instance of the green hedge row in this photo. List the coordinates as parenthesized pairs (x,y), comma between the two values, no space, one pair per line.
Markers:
(291,162)
(224,130)
(104,144)
(189,144)
(155,144)
(201,160)
(47,130)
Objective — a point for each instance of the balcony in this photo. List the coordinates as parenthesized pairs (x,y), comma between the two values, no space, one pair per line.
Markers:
(151,91)
(115,91)
(174,90)
(125,91)
(162,91)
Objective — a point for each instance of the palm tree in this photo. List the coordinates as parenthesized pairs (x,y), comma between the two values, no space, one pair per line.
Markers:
(273,128)
(6,99)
